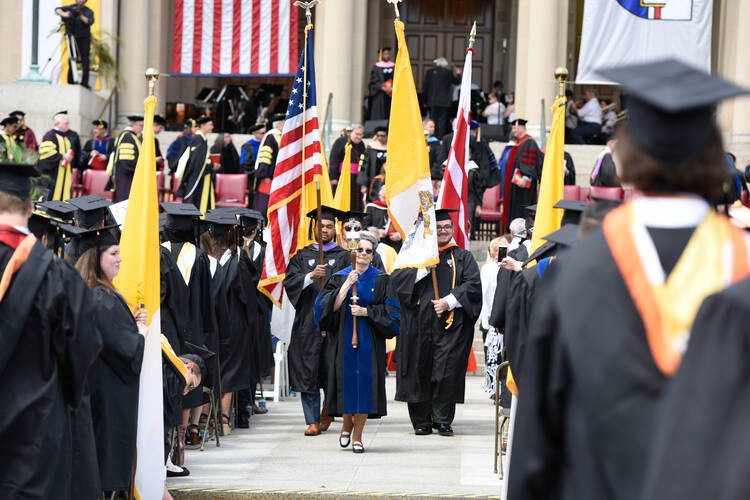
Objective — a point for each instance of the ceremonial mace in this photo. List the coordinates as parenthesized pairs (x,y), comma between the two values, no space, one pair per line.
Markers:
(352,240)
(561,74)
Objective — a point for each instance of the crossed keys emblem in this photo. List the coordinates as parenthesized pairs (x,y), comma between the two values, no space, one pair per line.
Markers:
(307,6)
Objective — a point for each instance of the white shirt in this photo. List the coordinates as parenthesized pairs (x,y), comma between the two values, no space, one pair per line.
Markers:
(591,112)
(488,276)
(495,113)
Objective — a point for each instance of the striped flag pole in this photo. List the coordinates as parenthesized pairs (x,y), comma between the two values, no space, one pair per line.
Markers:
(454,192)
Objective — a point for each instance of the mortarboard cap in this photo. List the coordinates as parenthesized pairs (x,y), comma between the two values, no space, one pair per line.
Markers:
(384,49)
(17,112)
(256,127)
(63,112)
(135,118)
(204,355)
(58,209)
(198,361)
(203,119)
(15,179)
(380,129)
(519,121)
(351,215)
(563,237)
(327,213)
(160,120)
(278,117)
(444,213)
(670,106)
(10,120)
(85,239)
(100,124)
(180,210)
(190,123)
(162,221)
(573,210)
(90,210)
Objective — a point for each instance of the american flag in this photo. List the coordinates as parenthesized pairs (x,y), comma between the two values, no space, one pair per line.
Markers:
(454,192)
(234,37)
(290,198)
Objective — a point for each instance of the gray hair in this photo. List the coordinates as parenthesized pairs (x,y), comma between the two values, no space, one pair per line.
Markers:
(442,62)
(356,126)
(365,235)
(518,227)
(59,118)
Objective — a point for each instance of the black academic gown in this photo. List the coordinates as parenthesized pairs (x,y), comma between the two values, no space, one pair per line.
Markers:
(375,160)
(376,215)
(527,162)
(380,102)
(356,377)
(197,186)
(47,345)
(176,149)
(174,301)
(307,365)
(127,149)
(51,150)
(172,386)
(335,166)
(230,160)
(590,391)
(90,146)
(264,360)
(114,381)
(607,175)
(701,447)
(570,173)
(264,169)
(431,359)
(238,326)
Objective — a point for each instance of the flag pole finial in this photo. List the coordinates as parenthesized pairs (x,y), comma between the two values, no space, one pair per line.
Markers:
(349,131)
(307,6)
(152,74)
(473,35)
(561,74)
(395,6)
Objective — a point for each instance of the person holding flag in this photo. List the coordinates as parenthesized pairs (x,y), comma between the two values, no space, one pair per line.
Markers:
(437,314)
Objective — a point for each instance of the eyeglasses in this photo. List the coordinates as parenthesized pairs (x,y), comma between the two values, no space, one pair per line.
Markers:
(353,228)
(448,227)
(368,251)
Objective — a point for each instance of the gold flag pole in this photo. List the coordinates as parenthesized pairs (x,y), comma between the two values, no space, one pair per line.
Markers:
(473,36)
(561,74)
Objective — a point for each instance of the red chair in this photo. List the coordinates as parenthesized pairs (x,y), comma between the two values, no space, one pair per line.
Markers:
(627,194)
(490,217)
(95,182)
(609,193)
(163,192)
(77,187)
(175,187)
(572,193)
(585,194)
(231,190)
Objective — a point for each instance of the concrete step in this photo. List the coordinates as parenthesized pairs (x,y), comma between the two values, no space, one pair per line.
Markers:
(235,494)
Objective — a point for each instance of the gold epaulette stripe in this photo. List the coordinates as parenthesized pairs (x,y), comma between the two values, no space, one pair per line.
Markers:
(126,156)
(44,156)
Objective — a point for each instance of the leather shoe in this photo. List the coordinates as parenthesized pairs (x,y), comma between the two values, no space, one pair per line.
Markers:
(325,422)
(312,429)
(444,430)
(422,430)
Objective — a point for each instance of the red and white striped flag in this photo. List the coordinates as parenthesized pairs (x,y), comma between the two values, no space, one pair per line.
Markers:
(234,37)
(290,199)
(454,192)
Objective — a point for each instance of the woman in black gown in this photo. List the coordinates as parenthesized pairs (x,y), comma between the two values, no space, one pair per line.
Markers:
(356,375)
(114,377)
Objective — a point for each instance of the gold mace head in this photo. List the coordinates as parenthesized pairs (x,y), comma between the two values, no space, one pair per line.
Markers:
(152,74)
(561,74)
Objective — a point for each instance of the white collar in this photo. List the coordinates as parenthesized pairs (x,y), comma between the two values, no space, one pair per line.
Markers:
(23,229)
(685,210)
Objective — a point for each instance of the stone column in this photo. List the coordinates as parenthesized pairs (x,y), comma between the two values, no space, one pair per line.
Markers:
(134,56)
(736,36)
(339,51)
(541,47)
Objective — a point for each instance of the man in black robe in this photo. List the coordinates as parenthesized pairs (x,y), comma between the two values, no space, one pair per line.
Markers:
(196,170)
(372,174)
(56,158)
(595,369)
(179,145)
(47,345)
(96,151)
(125,158)
(522,174)
(358,162)
(381,86)
(438,93)
(436,334)
(265,165)
(303,282)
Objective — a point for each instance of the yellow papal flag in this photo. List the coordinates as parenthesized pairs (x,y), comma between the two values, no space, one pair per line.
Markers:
(551,187)
(408,186)
(138,282)
(343,198)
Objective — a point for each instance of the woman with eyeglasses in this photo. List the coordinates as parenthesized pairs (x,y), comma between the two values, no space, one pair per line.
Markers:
(356,374)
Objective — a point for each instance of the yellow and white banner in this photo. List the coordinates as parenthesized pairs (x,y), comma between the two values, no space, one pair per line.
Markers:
(408,185)
(139,283)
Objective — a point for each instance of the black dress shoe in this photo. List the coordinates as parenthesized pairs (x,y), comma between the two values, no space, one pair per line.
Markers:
(444,430)
(422,430)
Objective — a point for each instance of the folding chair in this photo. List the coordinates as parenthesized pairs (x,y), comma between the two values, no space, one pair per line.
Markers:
(502,416)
